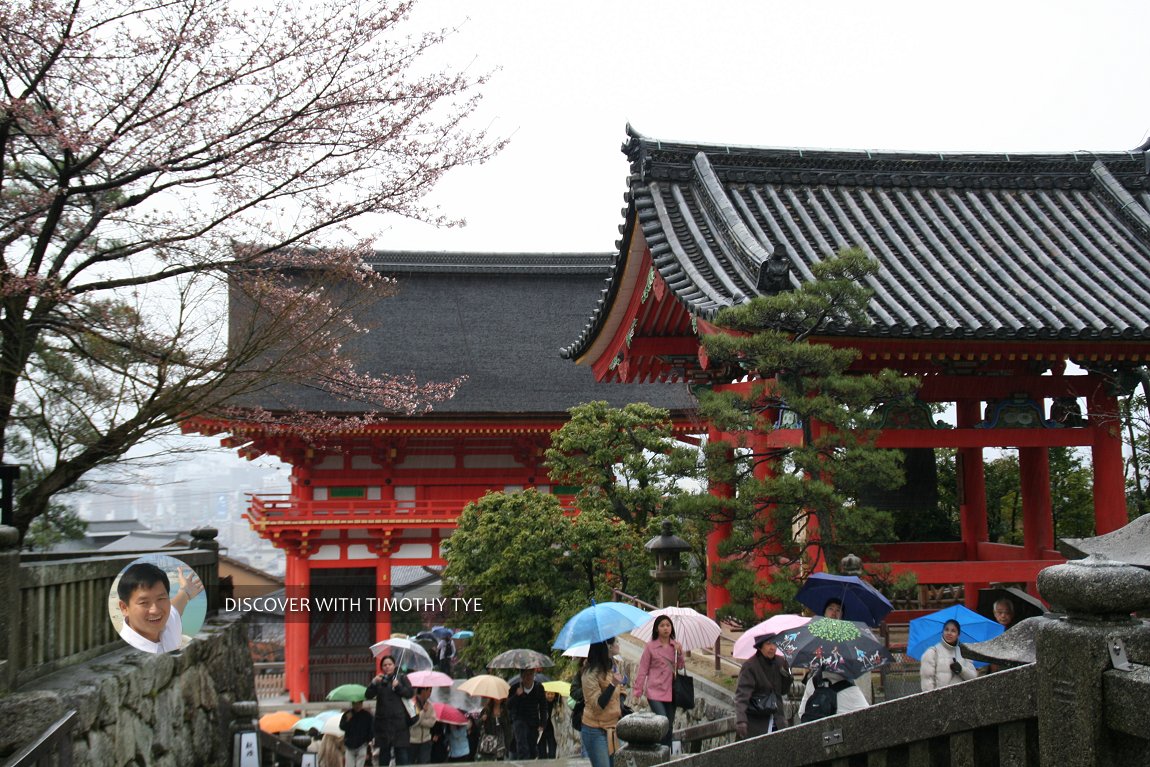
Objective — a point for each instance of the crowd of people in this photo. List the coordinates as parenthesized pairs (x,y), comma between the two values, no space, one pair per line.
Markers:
(522,726)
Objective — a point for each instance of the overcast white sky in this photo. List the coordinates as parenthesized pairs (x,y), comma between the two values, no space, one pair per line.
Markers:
(1007,75)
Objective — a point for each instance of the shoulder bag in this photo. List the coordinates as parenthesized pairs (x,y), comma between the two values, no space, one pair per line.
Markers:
(682,688)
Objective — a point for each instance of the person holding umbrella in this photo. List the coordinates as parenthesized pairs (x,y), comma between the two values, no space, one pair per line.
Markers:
(763,683)
(662,657)
(602,705)
(356,726)
(389,689)
(943,664)
(527,707)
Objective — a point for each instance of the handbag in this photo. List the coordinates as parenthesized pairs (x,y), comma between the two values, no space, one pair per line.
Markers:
(682,687)
(683,691)
(763,705)
(412,711)
(491,745)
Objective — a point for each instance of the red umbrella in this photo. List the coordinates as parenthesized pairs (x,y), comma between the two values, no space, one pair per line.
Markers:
(449,714)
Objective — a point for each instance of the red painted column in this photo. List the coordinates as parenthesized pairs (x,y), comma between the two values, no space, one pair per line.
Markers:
(764,559)
(296,627)
(383,592)
(1037,512)
(717,596)
(1106,451)
(971,473)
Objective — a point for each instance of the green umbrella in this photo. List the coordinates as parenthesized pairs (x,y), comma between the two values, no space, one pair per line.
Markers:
(348,692)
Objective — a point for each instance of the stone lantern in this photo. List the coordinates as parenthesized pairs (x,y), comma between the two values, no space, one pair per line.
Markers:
(668,550)
(850,565)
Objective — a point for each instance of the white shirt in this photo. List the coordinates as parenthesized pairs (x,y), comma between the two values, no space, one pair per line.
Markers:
(169,639)
(849,698)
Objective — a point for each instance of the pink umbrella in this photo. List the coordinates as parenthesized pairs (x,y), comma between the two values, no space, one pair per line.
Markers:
(429,679)
(449,714)
(745,645)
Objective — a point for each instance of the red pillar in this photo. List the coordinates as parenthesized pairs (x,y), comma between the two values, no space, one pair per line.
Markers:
(1106,451)
(383,592)
(972,495)
(717,596)
(1037,513)
(296,627)
(764,559)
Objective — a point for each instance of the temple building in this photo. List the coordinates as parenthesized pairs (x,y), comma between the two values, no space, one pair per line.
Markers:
(372,506)
(1016,287)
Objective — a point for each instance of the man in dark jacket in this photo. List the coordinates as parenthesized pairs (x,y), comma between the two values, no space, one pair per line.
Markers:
(388,689)
(527,705)
(356,724)
(762,675)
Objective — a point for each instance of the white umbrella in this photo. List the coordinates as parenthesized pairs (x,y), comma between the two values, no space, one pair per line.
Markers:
(408,654)
(578,651)
(693,630)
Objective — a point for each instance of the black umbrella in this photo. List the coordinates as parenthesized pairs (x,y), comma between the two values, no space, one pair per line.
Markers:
(1025,605)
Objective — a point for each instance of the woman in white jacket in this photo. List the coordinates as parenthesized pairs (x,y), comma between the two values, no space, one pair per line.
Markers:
(943,664)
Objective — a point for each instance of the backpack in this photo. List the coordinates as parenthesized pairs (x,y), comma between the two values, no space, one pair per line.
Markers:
(577,697)
(825,699)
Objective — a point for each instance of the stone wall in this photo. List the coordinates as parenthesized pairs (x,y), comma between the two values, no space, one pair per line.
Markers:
(136,709)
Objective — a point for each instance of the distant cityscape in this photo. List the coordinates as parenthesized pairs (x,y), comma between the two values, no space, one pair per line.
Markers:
(201,490)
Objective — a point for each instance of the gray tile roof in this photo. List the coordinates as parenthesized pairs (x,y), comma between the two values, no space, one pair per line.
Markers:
(498,318)
(1032,246)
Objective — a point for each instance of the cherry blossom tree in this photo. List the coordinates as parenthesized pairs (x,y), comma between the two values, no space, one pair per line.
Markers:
(154,154)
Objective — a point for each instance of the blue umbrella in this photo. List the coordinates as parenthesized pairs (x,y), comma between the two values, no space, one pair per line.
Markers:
(599,622)
(441,632)
(861,601)
(927,630)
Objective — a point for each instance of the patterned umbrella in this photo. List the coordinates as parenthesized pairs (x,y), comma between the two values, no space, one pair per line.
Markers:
(486,686)
(520,659)
(429,679)
(599,622)
(693,630)
(408,654)
(833,645)
(745,645)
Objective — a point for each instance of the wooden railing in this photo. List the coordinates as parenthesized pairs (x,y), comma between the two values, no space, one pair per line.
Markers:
(942,727)
(282,509)
(53,747)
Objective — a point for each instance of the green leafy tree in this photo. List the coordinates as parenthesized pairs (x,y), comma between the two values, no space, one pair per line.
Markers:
(1136,433)
(797,506)
(531,566)
(1071,493)
(625,461)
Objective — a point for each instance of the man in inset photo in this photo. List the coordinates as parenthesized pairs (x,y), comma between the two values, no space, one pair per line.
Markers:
(152,621)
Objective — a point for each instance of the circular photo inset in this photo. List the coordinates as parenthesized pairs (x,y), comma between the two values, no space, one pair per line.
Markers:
(157,603)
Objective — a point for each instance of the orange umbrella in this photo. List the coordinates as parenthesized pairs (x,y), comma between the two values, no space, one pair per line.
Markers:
(278,721)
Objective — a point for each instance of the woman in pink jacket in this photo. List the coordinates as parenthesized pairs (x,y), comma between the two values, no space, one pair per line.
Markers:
(661,657)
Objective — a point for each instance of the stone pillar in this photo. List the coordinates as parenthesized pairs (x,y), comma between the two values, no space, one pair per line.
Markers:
(642,731)
(1098,595)
(204,538)
(10,598)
